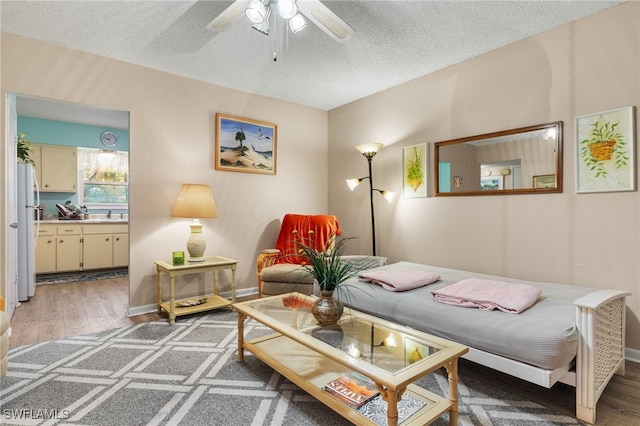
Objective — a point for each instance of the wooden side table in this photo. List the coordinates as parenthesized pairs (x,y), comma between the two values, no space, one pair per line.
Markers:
(213,300)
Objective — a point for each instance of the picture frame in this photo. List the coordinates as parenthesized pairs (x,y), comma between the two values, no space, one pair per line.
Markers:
(414,171)
(245,145)
(414,351)
(491,183)
(605,151)
(544,181)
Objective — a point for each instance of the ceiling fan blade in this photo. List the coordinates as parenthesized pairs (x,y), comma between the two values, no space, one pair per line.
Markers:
(228,15)
(324,18)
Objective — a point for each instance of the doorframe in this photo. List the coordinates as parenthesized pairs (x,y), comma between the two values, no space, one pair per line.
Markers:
(11,179)
(10,259)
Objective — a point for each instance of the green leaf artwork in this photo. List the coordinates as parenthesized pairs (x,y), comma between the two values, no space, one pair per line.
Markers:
(605,143)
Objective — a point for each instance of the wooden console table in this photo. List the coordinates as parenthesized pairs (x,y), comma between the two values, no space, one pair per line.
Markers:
(213,301)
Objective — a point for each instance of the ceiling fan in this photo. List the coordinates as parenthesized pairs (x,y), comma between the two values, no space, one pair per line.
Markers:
(260,13)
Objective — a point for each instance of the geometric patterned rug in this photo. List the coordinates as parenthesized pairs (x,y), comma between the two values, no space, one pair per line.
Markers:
(186,374)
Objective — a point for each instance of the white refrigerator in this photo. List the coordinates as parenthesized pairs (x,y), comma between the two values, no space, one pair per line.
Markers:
(27,232)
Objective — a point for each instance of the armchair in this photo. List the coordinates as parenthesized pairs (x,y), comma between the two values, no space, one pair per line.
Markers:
(282,270)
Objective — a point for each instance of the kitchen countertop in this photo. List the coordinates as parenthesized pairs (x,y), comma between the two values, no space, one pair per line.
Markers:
(87,221)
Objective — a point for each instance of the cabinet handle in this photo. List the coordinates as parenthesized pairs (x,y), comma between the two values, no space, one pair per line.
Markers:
(49,241)
(106,239)
(118,239)
(46,185)
(61,241)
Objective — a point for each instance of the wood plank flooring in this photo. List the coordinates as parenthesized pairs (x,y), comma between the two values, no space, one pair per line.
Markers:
(69,309)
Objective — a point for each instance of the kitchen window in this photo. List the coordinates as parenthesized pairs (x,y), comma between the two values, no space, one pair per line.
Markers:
(103,178)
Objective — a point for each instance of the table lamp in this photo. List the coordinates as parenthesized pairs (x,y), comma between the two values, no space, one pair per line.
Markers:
(195,201)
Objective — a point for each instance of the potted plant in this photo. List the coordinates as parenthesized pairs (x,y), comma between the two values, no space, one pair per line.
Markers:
(604,142)
(329,272)
(24,149)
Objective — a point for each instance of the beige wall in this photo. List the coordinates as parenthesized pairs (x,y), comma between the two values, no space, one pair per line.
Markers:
(588,239)
(172,134)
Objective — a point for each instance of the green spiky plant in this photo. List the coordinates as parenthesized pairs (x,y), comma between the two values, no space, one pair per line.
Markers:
(325,265)
(415,175)
(24,149)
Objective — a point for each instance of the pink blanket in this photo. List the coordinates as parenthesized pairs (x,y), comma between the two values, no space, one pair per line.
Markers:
(399,279)
(489,295)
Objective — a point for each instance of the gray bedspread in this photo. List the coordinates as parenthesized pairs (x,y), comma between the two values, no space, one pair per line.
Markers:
(544,335)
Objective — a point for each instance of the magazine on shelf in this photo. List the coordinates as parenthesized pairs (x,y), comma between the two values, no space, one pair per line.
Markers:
(376,409)
(353,389)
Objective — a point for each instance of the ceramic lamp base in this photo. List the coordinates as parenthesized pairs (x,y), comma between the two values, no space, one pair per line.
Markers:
(196,244)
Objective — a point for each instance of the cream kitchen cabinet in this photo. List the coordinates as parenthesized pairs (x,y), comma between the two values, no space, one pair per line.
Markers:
(68,248)
(76,246)
(56,167)
(105,246)
(120,250)
(58,248)
(46,250)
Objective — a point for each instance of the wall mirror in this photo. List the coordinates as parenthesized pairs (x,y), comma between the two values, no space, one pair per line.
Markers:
(527,160)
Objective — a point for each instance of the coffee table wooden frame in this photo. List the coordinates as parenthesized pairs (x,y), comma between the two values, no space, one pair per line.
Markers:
(296,355)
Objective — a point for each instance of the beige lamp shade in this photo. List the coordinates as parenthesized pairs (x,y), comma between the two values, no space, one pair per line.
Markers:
(195,201)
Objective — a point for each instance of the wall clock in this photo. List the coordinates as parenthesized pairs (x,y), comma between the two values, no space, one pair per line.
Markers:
(109,139)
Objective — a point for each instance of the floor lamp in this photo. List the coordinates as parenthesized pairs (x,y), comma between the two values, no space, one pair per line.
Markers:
(369,150)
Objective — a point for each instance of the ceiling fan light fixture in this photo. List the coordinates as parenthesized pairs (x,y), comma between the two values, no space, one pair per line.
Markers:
(297,23)
(263,27)
(256,11)
(287,8)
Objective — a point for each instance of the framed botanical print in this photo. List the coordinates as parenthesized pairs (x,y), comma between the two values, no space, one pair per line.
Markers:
(605,151)
(414,175)
(245,145)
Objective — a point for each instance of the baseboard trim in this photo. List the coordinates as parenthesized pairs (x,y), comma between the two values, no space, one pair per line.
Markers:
(632,355)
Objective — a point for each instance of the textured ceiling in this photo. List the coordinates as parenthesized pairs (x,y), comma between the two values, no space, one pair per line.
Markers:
(395,41)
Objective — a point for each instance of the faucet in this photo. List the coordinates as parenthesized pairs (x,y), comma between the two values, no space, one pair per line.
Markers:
(109,214)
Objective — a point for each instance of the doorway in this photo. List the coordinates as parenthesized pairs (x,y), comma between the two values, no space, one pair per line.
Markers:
(44,117)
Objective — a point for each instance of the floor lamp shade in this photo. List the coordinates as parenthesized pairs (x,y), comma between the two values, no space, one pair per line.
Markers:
(195,201)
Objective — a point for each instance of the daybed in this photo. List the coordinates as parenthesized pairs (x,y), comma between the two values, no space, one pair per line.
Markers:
(573,335)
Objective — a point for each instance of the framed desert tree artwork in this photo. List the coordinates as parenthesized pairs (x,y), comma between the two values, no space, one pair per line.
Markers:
(414,164)
(605,151)
(544,181)
(245,145)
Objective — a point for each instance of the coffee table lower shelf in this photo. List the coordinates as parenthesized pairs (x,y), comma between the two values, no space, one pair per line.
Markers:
(311,371)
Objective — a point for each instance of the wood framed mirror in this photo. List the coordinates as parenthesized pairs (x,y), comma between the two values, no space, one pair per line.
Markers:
(527,160)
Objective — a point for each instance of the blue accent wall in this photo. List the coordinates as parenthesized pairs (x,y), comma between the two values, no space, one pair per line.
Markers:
(38,130)
(53,132)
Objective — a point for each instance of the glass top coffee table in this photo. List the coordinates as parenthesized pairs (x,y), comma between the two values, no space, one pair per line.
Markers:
(391,355)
